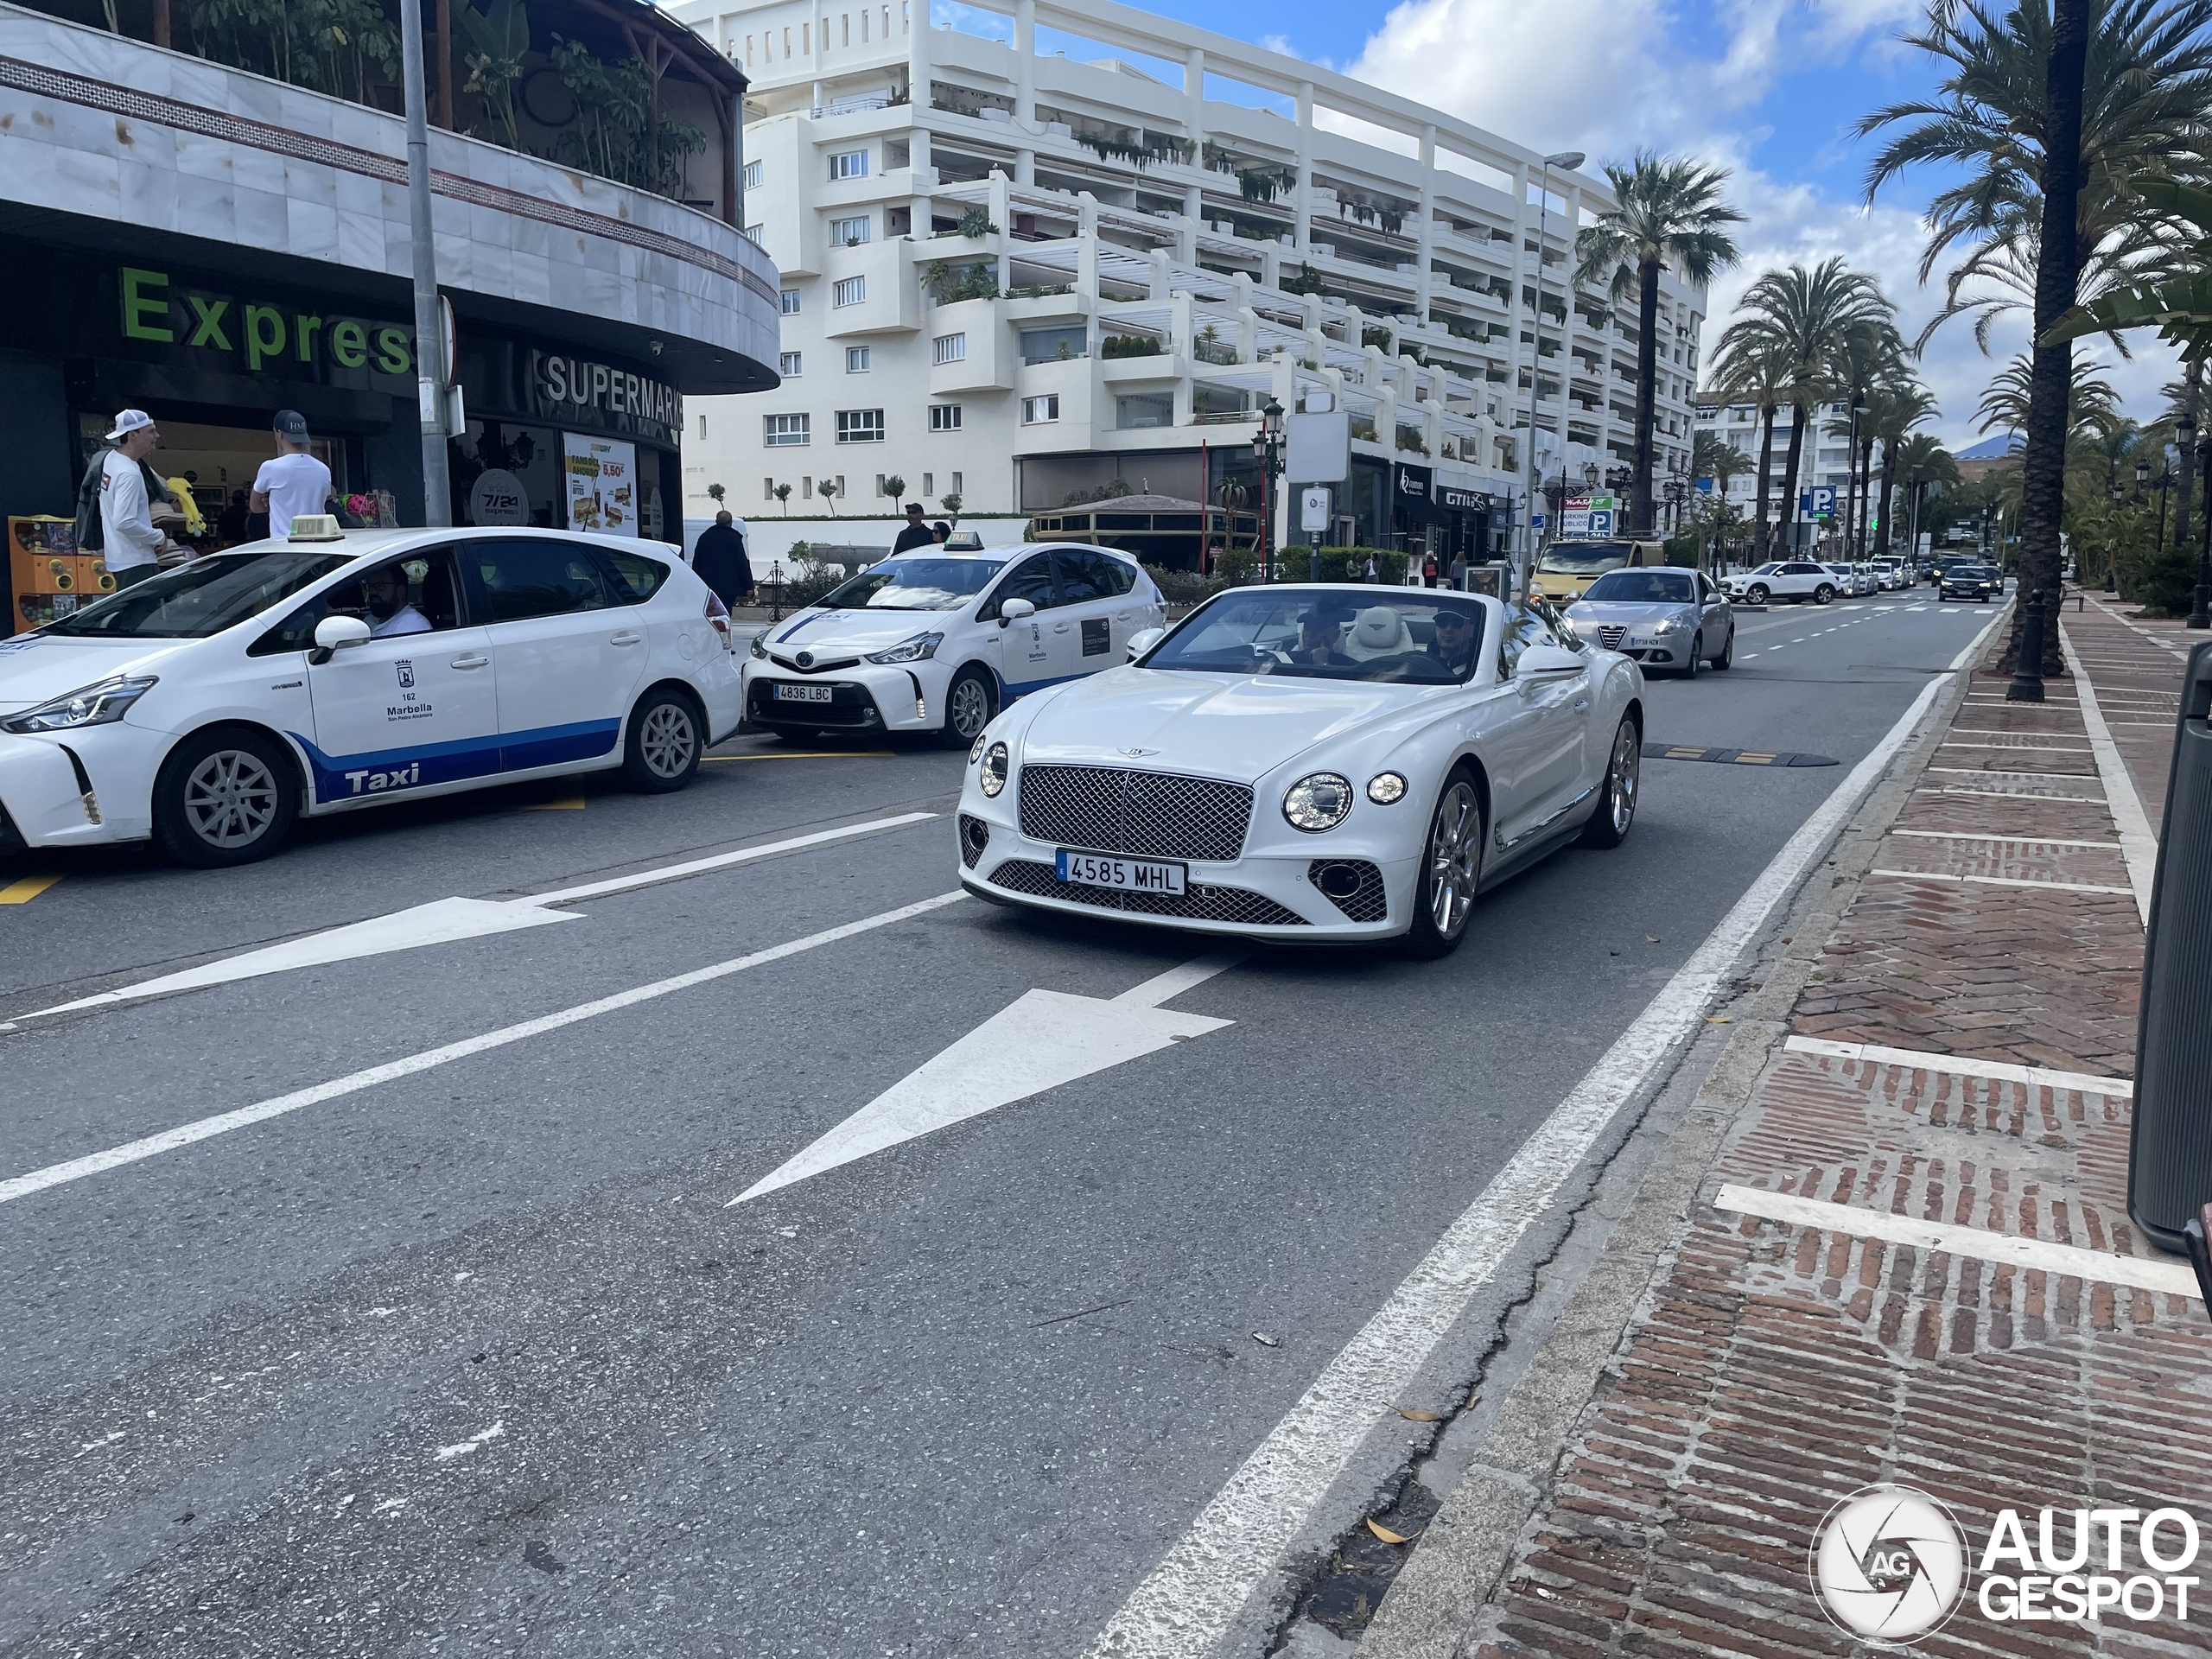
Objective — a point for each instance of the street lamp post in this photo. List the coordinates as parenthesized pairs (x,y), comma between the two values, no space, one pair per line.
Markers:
(431,369)
(1266,449)
(1569,159)
(2200,611)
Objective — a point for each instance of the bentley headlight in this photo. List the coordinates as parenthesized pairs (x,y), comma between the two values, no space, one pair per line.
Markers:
(975,749)
(101,703)
(759,650)
(919,649)
(1318,803)
(994,773)
(1386,788)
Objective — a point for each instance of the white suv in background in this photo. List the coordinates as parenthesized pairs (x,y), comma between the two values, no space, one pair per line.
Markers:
(1797,579)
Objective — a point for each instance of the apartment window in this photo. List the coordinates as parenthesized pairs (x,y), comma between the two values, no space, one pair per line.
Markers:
(955,483)
(806,40)
(860,425)
(785,431)
(748,50)
(945,417)
(843,233)
(790,365)
(863,27)
(848,164)
(806,488)
(702,426)
(951,348)
(851,291)
(767,489)
(791,301)
(856,360)
(1145,410)
(787,40)
(752,168)
(929,479)
(1040,412)
(845,29)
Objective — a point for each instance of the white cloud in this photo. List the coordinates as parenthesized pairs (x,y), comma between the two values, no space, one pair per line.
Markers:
(1608,78)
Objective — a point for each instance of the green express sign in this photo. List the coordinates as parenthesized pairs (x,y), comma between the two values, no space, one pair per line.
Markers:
(263,335)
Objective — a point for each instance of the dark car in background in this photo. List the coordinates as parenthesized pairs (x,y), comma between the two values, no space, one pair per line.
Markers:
(1980,583)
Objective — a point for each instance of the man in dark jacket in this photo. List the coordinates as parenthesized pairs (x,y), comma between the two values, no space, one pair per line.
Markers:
(917,534)
(720,561)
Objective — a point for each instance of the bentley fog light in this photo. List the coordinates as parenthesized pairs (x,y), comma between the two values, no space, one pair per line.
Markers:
(1318,803)
(1385,788)
(994,769)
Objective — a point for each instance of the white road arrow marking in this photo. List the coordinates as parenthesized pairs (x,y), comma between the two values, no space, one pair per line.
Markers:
(446,921)
(1043,1039)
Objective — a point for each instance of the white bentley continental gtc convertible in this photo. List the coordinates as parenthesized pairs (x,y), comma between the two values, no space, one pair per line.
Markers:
(1308,763)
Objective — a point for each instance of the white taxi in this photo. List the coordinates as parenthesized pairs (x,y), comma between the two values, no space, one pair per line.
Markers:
(211,705)
(939,641)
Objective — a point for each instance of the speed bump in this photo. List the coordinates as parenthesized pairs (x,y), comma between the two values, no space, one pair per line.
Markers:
(1734,756)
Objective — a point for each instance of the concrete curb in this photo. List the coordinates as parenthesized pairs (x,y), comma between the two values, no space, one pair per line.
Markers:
(1451,1574)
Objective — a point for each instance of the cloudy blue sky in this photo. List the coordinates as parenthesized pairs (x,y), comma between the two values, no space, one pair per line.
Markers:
(1768,88)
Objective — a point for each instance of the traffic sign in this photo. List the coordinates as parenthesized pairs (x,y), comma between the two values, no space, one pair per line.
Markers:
(1601,521)
(1314,512)
(1818,502)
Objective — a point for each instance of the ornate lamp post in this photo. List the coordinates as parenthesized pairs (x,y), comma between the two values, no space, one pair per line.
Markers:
(1266,449)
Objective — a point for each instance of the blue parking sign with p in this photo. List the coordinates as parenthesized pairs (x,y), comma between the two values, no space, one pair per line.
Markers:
(1818,502)
(1601,521)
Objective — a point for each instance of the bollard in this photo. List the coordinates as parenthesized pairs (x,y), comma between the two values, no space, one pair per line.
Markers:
(2199,1256)
(2027,673)
(2169,1144)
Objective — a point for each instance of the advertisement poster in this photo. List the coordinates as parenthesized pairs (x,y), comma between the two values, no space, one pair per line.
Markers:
(603,478)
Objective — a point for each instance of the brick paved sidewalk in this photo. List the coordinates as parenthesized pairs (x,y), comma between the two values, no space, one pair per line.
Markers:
(1774,1366)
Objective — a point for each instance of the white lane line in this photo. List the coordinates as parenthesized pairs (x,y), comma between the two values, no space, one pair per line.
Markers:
(2139,845)
(1964,1065)
(2036,1255)
(721,861)
(444,921)
(2000,772)
(2021,748)
(1042,1040)
(185,1134)
(2002,881)
(2008,794)
(2023,841)
(1235,1547)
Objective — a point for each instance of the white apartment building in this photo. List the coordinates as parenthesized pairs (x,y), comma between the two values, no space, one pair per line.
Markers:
(1081,258)
(1825,460)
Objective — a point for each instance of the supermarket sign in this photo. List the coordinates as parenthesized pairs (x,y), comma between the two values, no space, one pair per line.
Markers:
(266,336)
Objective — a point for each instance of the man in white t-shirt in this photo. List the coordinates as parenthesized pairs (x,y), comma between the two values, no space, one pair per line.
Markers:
(294,484)
(129,543)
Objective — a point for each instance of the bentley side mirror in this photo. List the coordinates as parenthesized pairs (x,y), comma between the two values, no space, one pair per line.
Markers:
(1143,640)
(1014,610)
(336,633)
(1539,661)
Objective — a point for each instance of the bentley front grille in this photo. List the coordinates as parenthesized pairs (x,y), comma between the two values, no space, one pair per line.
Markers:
(1200,903)
(1147,814)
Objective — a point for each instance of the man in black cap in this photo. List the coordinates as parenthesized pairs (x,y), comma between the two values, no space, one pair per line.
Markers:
(917,534)
(295,485)
(719,558)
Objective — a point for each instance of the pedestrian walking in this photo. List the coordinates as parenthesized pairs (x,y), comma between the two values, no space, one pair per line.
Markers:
(1429,571)
(1373,575)
(1459,570)
(115,501)
(294,484)
(916,534)
(723,561)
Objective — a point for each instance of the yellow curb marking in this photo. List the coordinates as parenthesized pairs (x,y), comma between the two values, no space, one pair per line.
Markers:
(811,754)
(23,891)
(574,804)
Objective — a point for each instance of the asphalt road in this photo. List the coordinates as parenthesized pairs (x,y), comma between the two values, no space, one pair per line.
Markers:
(475,1355)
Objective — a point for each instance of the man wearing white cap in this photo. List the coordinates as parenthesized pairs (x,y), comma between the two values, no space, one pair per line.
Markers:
(129,541)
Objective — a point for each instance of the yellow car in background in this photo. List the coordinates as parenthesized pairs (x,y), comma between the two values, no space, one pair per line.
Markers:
(1565,569)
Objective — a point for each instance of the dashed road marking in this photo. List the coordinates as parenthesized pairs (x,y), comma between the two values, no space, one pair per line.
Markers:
(28,888)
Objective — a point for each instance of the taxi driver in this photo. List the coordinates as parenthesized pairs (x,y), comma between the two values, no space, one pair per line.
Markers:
(385,593)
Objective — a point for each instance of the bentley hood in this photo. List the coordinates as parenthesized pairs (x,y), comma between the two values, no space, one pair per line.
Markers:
(1234,726)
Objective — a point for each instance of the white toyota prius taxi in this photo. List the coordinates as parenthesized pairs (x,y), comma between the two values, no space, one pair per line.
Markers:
(939,641)
(1308,763)
(209,706)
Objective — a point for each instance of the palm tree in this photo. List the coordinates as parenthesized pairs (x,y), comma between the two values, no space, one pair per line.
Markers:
(2092,404)
(1923,464)
(1869,358)
(1895,408)
(1668,213)
(2020,111)
(1804,328)
(1752,375)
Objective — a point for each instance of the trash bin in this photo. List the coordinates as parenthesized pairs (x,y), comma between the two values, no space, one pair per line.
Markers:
(2170,1149)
